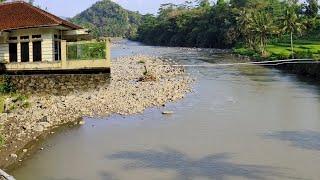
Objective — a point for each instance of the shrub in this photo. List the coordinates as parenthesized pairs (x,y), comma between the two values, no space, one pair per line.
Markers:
(2,140)
(87,51)
(7,86)
(141,62)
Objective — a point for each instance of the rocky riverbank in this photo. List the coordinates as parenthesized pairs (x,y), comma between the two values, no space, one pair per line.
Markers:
(136,83)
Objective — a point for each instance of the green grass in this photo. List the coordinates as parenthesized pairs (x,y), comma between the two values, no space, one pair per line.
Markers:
(2,140)
(282,50)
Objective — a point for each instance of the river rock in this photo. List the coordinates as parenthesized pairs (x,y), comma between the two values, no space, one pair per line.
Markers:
(82,122)
(38,128)
(13,156)
(167,112)
(44,124)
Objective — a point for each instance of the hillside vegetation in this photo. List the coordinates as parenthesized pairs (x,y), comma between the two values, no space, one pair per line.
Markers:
(267,29)
(108,19)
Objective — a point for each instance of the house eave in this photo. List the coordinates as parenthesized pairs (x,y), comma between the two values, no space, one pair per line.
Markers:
(38,26)
(76,32)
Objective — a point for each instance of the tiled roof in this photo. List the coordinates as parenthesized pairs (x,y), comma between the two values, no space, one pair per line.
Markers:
(20,15)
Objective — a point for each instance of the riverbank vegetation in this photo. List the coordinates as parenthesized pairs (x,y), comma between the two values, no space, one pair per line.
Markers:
(262,29)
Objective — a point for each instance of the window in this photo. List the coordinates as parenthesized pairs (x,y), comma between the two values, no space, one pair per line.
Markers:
(57,36)
(24,37)
(37,54)
(24,52)
(13,38)
(13,57)
(36,36)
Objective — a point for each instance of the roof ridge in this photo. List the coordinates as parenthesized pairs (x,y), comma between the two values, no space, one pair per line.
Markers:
(47,14)
(51,18)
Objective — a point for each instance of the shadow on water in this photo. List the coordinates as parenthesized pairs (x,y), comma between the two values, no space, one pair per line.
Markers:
(301,139)
(216,166)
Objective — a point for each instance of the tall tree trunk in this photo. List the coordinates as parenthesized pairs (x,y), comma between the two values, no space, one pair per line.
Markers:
(292,51)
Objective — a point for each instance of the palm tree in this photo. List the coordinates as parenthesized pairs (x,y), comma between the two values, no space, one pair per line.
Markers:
(291,23)
(244,24)
(263,26)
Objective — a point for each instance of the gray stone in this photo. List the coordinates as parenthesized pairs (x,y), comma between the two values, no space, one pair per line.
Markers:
(13,156)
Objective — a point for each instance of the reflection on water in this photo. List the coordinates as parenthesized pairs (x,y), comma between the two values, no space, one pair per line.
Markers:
(216,166)
(301,139)
(241,122)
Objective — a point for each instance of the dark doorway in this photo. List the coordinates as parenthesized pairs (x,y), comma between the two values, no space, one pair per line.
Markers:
(37,55)
(24,52)
(13,55)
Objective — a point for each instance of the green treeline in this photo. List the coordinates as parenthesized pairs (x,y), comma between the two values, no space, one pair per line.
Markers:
(225,24)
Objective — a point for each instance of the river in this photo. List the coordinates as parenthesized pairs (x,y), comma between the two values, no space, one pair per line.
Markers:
(240,122)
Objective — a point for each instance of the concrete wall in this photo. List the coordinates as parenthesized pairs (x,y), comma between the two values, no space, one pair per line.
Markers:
(4,52)
(33,66)
(58,84)
(304,69)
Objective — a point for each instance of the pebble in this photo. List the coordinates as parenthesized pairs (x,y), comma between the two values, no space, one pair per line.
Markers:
(38,128)
(13,156)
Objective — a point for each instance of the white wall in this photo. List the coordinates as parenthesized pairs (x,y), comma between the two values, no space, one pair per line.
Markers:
(4,52)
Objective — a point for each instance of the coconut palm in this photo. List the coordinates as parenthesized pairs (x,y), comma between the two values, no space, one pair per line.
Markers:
(263,26)
(291,23)
(244,24)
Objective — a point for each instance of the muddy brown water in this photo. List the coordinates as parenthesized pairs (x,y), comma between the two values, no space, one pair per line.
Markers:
(241,122)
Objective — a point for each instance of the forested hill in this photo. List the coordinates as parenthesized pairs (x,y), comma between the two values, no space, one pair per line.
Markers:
(108,19)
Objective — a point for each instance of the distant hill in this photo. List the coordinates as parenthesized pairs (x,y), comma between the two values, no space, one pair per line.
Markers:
(108,19)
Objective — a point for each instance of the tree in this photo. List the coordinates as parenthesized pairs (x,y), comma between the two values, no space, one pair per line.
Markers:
(263,26)
(312,8)
(31,2)
(291,23)
(244,24)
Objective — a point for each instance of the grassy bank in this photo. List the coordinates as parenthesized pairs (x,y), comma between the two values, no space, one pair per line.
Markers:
(282,50)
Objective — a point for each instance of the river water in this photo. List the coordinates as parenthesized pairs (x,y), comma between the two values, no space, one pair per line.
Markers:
(241,122)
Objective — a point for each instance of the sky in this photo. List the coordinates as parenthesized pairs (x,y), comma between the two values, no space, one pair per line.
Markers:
(69,8)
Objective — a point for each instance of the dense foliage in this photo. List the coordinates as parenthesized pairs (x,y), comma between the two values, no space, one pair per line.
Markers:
(108,19)
(225,24)
(85,51)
